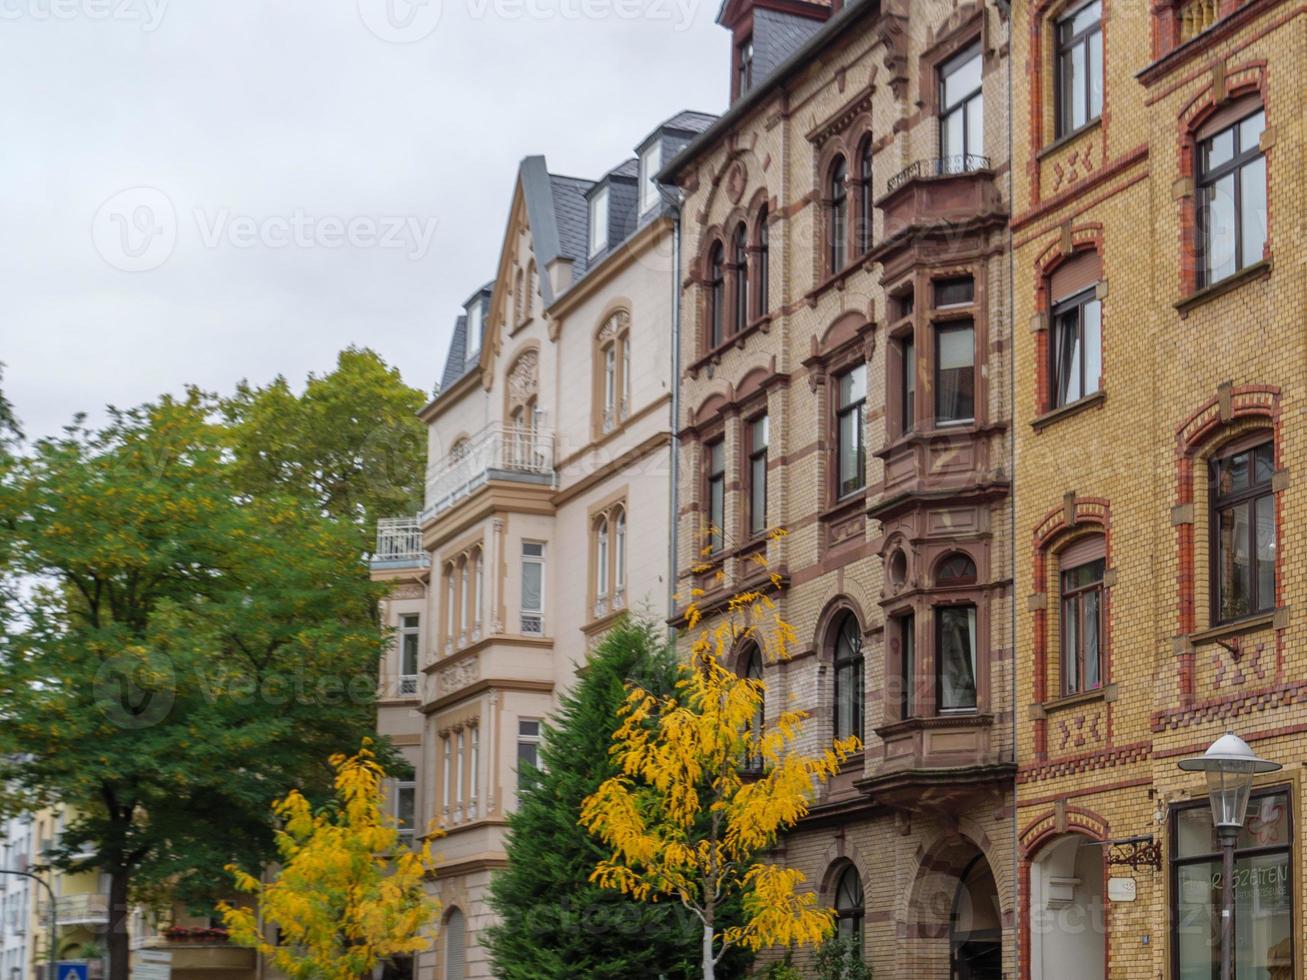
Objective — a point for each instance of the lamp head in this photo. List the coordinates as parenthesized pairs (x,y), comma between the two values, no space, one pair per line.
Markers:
(1230,765)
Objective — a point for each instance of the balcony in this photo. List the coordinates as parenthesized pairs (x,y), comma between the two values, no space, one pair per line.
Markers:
(399,544)
(937,763)
(517,454)
(398,687)
(77,910)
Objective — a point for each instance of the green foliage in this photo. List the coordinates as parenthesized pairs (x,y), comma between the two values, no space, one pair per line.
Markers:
(351,441)
(840,958)
(783,970)
(555,924)
(181,652)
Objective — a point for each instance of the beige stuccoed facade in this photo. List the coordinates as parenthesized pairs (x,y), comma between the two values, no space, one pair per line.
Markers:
(861,401)
(549,472)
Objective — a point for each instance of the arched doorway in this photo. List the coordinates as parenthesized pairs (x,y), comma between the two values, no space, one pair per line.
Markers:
(976,926)
(1067,917)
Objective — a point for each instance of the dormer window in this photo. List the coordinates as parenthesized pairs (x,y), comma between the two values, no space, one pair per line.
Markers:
(599,221)
(744,67)
(474,328)
(650,161)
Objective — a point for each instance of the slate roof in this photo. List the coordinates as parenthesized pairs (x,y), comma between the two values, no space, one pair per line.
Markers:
(454,366)
(572,216)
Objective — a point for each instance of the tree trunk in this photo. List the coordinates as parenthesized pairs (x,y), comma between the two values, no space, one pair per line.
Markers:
(119,914)
(707,952)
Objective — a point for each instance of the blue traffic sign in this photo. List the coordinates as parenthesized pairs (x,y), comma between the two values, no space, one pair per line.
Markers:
(65,970)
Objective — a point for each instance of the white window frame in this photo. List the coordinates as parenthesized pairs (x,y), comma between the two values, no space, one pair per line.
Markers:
(651,161)
(408,683)
(473,328)
(408,835)
(525,739)
(533,620)
(599,221)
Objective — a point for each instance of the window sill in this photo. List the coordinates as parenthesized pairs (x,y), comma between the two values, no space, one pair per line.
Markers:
(1258,270)
(1066,411)
(1237,627)
(1106,693)
(1069,138)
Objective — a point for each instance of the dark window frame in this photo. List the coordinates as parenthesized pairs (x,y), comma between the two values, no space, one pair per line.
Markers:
(1077,303)
(853,912)
(1204,183)
(855,661)
(755,455)
(837,216)
(1075,595)
(866,211)
(716,295)
(906,626)
(1177,863)
(740,273)
(715,494)
(907,345)
(856,407)
(1065,44)
(1216,505)
(762,266)
(942,327)
(751,668)
(939,612)
(744,66)
(962,105)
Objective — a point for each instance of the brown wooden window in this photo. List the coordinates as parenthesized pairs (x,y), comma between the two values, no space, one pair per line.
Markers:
(1083,566)
(955,658)
(1079,67)
(848,677)
(837,222)
(1243,533)
(849,907)
(955,291)
(908,383)
(907,674)
(1232,206)
(955,373)
(716,295)
(762,269)
(851,449)
(716,494)
(740,269)
(865,214)
(759,436)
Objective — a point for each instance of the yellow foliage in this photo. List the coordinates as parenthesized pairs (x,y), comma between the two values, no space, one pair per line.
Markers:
(347,894)
(686,819)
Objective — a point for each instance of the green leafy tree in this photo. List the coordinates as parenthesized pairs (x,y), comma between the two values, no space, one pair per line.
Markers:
(554,922)
(351,440)
(181,651)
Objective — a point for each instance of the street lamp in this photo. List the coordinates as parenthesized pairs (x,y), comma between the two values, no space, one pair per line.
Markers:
(1230,765)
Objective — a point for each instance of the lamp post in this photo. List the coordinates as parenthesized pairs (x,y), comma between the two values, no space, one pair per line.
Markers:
(54,939)
(1230,765)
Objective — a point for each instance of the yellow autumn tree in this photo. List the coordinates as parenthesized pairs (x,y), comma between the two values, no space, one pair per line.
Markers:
(689,818)
(347,894)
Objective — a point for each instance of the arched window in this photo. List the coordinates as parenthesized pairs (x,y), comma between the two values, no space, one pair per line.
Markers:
(848,677)
(837,224)
(849,905)
(601,557)
(612,372)
(740,260)
(455,946)
(610,385)
(864,197)
(955,569)
(762,268)
(716,295)
(751,669)
(619,560)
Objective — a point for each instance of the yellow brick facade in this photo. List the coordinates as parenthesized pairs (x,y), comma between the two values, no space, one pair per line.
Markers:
(1187,373)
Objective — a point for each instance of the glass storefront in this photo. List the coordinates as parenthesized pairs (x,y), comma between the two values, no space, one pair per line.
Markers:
(1263,892)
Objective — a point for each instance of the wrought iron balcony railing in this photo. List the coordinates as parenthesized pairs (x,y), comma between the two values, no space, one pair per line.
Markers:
(399,542)
(929,167)
(498,452)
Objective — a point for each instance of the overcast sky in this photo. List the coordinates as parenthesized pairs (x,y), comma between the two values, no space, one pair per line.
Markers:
(208,190)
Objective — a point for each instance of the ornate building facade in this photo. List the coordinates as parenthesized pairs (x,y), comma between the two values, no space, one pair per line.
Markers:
(845,375)
(549,467)
(1159,363)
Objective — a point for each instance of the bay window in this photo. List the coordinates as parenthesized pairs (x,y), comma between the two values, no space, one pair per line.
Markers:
(955,658)
(955,373)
